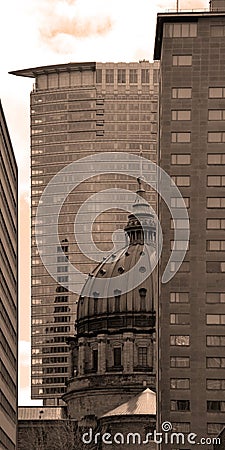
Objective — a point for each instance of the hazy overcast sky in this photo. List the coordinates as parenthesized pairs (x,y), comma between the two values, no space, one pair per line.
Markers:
(41,32)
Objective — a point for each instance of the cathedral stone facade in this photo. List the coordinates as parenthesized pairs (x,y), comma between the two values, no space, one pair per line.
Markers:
(113,358)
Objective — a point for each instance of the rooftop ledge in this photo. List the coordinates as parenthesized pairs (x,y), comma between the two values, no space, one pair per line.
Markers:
(177,16)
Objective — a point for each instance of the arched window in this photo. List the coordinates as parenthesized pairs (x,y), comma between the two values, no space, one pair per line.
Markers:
(142,293)
(95,360)
(117,294)
(117,357)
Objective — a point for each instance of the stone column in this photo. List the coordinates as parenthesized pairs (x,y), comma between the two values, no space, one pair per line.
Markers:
(128,352)
(102,353)
(81,356)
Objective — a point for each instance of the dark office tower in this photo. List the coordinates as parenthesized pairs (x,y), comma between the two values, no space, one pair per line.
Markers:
(77,110)
(8,290)
(191,50)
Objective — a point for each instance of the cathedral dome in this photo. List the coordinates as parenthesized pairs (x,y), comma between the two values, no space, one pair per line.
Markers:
(109,301)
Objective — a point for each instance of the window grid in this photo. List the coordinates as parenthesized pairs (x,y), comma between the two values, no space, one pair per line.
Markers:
(216,114)
(216,158)
(109,76)
(145,76)
(215,180)
(215,319)
(133,76)
(180,137)
(215,384)
(217,30)
(180,159)
(180,202)
(215,341)
(216,137)
(181,180)
(215,297)
(215,362)
(178,361)
(181,114)
(215,202)
(181,30)
(121,76)
(215,246)
(179,297)
(181,224)
(182,92)
(217,92)
(178,340)
(180,383)
(182,60)
(142,356)
(180,405)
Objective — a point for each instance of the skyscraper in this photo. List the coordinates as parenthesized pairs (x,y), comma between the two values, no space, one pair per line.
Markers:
(191,50)
(79,109)
(8,290)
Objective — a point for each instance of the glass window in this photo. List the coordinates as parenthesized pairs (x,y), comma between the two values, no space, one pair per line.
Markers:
(216,158)
(216,114)
(95,360)
(179,245)
(213,405)
(179,319)
(217,30)
(180,405)
(142,356)
(121,76)
(181,92)
(181,114)
(181,224)
(133,76)
(216,202)
(215,180)
(155,76)
(182,60)
(215,341)
(182,427)
(215,384)
(215,266)
(180,202)
(215,362)
(179,297)
(181,180)
(178,361)
(145,76)
(109,76)
(181,29)
(180,137)
(180,159)
(185,267)
(98,75)
(117,356)
(142,293)
(215,297)
(179,383)
(214,428)
(179,340)
(215,319)
(215,224)
(216,92)
(215,245)
(216,137)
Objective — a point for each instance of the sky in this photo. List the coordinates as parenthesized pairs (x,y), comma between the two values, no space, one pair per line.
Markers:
(42,32)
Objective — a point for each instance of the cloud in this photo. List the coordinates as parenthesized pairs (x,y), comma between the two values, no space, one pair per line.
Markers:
(60,23)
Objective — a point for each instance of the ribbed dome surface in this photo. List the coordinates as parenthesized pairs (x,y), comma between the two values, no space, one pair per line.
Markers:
(120,292)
